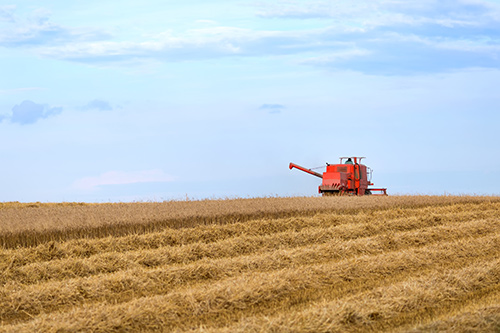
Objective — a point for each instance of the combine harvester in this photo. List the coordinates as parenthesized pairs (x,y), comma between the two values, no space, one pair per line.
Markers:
(346,178)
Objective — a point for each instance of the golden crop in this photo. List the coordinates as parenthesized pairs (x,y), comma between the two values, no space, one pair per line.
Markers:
(333,264)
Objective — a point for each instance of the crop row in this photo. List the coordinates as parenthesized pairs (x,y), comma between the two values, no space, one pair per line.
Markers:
(346,226)
(225,300)
(34,224)
(212,242)
(424,268)
(120,286)
(400,305)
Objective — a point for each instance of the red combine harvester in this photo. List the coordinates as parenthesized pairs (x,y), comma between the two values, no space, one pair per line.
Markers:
(346,178)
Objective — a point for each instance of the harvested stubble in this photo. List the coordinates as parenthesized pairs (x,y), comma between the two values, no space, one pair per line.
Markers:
(138,281)
(481,319)
(414,299)
(412,265)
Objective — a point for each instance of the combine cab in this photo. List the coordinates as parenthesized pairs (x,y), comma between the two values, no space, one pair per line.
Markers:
(349,177)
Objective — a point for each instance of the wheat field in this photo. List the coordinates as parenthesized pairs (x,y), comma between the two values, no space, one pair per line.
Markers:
(301,264)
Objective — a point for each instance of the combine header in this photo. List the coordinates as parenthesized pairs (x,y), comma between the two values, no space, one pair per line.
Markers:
(349,177)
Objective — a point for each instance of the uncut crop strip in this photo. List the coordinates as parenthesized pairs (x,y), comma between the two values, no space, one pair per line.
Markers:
(350,228)
(228,299)
(38,298)
(387,220)
(112,262)
(42,223)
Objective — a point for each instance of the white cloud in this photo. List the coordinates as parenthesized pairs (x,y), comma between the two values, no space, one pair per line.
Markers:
(206,22)
(37,29)
(336,56)
(29,112)
(326,45)
(464,19)
(7,13)
(384,12)
(388,30)
(272,108)
(121,178)
(98,104)
(317,9)
(193,44)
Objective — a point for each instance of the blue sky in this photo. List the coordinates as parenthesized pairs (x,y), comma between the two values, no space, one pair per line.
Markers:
(158,100)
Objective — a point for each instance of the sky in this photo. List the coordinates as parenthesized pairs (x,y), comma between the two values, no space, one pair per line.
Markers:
(106,101)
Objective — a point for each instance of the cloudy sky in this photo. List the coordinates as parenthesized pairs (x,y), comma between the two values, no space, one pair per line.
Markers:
(106,100)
